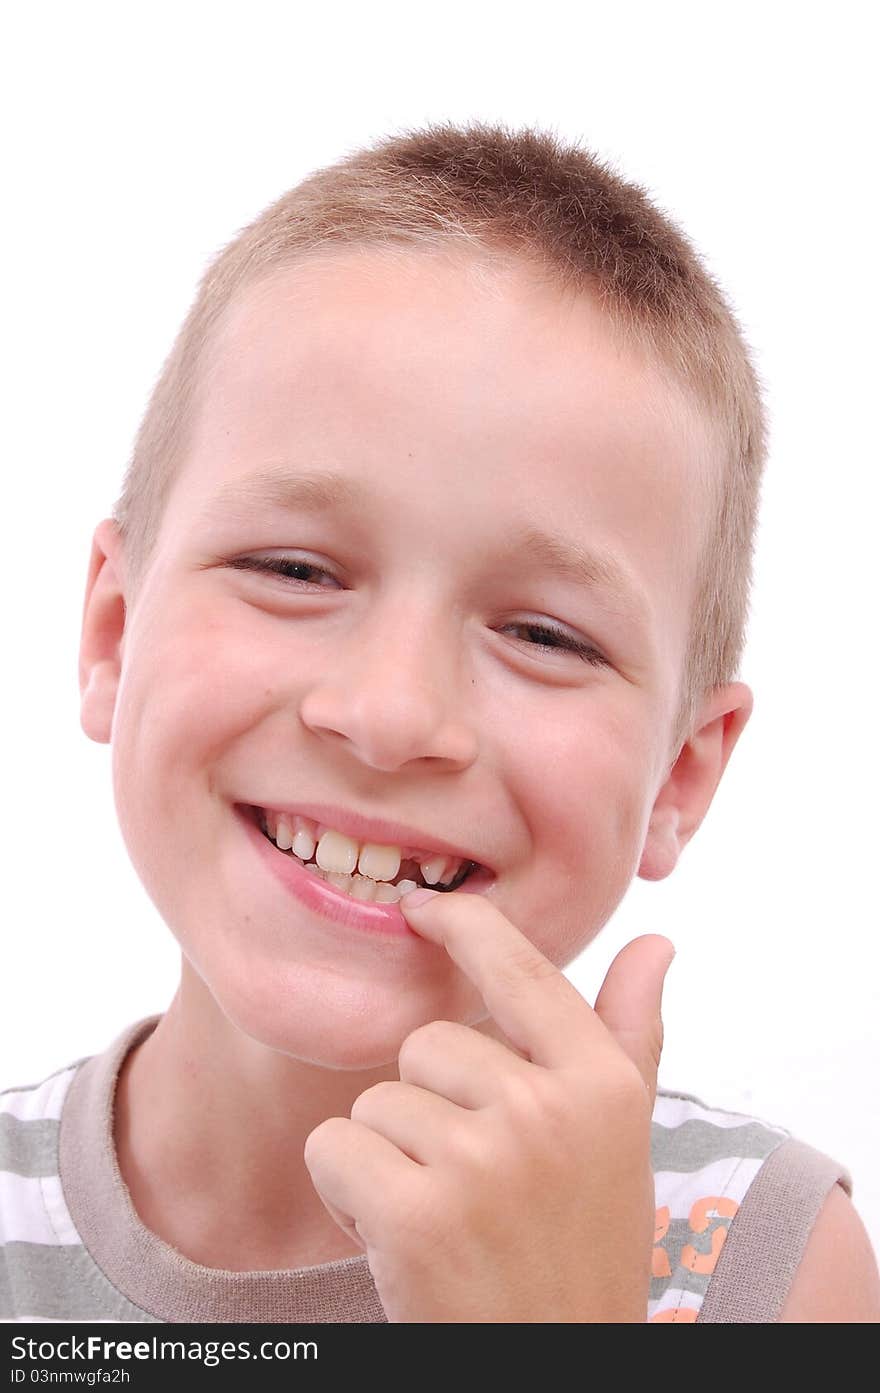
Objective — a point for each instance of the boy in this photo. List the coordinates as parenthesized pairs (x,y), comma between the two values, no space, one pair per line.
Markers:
(430,570)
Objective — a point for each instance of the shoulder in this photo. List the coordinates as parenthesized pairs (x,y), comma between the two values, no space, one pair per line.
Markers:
(29,1118)
(699,1152)
(41,1101)
(46,1270)
(33,1216)
(706,1163)
(752,1224)
(837,1280)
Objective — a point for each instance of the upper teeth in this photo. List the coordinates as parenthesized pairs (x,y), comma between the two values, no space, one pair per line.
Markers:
(336,852)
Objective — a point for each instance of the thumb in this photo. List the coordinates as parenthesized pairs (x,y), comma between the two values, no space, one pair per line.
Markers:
(629,1002)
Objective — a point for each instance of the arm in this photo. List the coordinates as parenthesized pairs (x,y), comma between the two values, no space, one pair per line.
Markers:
(837,1280)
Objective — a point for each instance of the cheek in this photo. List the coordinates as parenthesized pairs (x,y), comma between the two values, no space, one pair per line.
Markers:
(583,777)
(191,683)
(583,784)
(176,707)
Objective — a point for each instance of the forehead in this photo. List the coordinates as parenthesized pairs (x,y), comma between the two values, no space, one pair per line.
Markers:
(459,370)
(384,320)
(462,328)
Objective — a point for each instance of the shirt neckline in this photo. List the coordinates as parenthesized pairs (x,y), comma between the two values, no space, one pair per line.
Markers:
(148,1271)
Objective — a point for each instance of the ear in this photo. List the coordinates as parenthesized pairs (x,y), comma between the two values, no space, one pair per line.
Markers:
(103,626)
(684,799)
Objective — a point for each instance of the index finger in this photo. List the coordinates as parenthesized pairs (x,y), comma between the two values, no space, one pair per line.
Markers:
(538,1009)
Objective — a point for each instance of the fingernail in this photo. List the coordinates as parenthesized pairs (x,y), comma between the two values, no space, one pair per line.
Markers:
(413,898)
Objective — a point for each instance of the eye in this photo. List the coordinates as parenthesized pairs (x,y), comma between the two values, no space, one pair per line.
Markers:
(557,639)
(287,567)
(550,639)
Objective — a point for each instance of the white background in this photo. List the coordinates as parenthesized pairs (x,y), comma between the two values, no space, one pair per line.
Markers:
(139,139)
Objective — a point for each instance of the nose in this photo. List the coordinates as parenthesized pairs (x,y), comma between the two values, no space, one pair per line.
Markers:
(390,694)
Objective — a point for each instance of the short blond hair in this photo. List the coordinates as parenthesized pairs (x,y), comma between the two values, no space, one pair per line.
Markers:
(527,193)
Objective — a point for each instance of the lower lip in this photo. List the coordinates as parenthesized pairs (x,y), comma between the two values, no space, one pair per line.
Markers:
(326,900)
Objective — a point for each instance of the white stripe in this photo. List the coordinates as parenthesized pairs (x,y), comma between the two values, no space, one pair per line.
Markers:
(672,1112)
(42,1100)
(692,1301)
(56,1208)
(730,1177)
(32,1210)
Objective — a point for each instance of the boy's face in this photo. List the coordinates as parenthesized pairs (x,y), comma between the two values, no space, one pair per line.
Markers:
(403,680)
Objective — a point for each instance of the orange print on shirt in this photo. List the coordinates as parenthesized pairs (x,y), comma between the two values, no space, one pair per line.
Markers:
(710,1207)
(660,1258)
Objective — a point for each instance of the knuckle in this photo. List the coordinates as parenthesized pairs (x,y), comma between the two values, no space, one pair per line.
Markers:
(654,1049)
(523,965)
(560,1110)
(522,1100)
(658,1041)
(322,1138)
(541,1105)
(626,1095)
(426,1039)
(372,1099)
(467,1149)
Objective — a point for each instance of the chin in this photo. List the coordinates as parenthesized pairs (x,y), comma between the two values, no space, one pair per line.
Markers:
(343,1035)
(345,1050)
(319,1015)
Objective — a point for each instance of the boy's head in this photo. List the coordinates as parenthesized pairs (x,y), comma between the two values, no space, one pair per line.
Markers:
(509,399)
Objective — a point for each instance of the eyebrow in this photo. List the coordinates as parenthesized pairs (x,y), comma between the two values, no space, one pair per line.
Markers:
(319,491)
(313,491)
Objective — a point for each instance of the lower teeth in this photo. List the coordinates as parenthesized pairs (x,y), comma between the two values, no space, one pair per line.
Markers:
(362,888)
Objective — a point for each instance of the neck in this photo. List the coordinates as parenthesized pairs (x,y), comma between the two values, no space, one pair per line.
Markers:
(209,1128)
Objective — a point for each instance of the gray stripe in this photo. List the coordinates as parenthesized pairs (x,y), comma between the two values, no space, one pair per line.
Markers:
(59,1283)
(28,1148)
(768,1235)
(696,1144)
(678,1234)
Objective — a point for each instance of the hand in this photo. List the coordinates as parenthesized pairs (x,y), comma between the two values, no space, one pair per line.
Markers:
(496,1184)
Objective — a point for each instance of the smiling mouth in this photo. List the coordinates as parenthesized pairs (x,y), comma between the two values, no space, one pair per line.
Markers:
(366,888)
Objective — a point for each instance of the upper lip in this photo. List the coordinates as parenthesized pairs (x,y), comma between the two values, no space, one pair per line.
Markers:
(375,829)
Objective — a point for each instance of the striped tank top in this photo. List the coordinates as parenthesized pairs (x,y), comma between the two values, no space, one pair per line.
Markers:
(736,1199)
